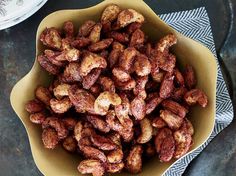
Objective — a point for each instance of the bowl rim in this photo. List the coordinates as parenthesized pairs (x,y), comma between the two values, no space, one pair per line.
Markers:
(89,8)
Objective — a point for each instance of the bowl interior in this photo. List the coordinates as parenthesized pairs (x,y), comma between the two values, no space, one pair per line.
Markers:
(59,162)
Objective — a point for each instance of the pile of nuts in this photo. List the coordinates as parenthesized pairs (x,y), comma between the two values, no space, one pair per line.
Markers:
(116,99)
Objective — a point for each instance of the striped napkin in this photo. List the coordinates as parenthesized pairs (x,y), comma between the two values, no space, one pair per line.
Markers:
(196,25)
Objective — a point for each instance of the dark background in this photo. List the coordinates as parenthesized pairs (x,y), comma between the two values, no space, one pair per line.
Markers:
(17,53)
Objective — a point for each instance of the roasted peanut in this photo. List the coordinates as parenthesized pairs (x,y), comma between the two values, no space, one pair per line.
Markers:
(70,144)
(134,160)
(60,106)
(34,106)
(173,121)
(91,166)
(50,138)
(138,108)
(43,94)
(146,128)
(196,96)
(104,100)
(128,16)
(174,107)
(91,61)
(189,77)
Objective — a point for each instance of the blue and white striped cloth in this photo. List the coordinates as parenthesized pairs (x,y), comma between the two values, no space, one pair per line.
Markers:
(196,25)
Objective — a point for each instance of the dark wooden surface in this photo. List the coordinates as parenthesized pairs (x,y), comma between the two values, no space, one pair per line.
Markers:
(17,50)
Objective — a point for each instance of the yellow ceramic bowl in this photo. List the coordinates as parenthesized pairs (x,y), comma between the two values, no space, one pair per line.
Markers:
(60,163)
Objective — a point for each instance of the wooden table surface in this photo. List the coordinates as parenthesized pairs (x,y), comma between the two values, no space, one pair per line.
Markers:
(17,53)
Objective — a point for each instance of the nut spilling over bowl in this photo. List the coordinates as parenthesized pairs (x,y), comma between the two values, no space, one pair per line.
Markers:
(117,99)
